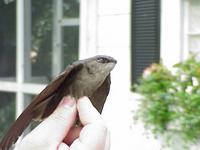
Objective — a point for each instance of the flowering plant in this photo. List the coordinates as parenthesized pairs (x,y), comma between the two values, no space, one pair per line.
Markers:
(170,103)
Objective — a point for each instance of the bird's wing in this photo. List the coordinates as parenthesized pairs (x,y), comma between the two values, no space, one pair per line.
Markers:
(25,118)
(98,98)
(54,85)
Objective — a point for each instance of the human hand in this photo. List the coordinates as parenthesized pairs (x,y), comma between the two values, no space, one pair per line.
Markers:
(57,132)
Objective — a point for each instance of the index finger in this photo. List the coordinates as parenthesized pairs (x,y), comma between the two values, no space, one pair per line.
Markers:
(94,134)
(87,112)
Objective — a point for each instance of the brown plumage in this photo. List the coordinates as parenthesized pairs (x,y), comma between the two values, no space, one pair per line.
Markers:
(89,77)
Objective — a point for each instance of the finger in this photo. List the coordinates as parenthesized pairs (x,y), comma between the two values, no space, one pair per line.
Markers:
(87,112)
(55,127)
(94,133)
(107,145)
(63,146)
(92,137)
(77,145)
(72,135)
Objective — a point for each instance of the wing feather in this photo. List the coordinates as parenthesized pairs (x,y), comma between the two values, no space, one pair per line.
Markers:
(98,98)
(25,118)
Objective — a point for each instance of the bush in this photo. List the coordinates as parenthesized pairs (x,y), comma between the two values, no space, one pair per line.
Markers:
(170,103)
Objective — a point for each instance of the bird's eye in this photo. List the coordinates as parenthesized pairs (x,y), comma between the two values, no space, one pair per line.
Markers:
(102,60)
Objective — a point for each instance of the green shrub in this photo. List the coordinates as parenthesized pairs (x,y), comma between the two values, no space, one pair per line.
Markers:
(170,103)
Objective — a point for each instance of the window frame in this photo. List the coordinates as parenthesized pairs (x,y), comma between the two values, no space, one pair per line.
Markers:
(20,87)
(185,29)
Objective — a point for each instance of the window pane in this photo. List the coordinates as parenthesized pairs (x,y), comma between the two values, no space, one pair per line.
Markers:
(41,51)
(42,34)
(7,41)
(71,8)
(194,16)
(194,43)
(70,44)
(194,26)
(7,111)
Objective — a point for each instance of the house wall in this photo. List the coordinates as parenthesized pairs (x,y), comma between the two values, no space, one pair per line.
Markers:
(105,28)
(171,32)
(114,39)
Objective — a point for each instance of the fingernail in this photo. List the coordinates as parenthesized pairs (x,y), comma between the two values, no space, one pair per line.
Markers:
(84,98)
(68,101)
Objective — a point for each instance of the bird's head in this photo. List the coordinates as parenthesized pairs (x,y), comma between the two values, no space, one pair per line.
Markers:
(100,65)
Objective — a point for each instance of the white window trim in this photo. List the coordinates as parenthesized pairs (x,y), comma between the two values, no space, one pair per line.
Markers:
(22,26)
(185,28)
(88,28)
(184,23)
(171,51)
(23,64)
(59,21)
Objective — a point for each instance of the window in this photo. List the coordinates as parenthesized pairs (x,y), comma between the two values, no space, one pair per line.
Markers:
(191,24)
(7,61)
(7,111)
(36,45)
(8,41)
(145,35)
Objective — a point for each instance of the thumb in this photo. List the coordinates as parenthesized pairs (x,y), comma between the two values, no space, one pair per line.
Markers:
(51,132)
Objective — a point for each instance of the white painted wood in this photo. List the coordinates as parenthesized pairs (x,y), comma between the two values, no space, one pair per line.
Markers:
(194,16)
(116,110)
(105,29)
(113,7)
(28,88)
(191,29)
(171,32)
(10,79)
(8,86)
(57,38)
(88,28)
(184,24)
(193,26)
(32,88)
(20,55)
(23,65)
(194,33)
(108,33)
(113,31)
(69,22)
(20,41)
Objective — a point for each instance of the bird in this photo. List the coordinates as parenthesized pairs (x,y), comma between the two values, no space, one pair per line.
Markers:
(88,77)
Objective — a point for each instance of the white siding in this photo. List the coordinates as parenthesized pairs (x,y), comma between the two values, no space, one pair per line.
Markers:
(108,32)
(113,7)
(171,52)
(105,29)
(113,31)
